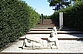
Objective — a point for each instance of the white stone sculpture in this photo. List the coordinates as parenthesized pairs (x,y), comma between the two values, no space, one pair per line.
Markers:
(54,30)
(53,40)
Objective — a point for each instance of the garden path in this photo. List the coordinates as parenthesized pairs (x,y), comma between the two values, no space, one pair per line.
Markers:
(69,41)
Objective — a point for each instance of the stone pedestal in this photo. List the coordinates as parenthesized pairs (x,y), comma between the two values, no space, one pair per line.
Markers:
(60,20)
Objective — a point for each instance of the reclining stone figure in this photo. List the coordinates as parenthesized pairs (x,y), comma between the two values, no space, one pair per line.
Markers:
(35,43)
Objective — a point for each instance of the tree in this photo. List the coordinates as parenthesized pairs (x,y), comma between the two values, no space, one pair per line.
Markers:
(58,3)
(74,1)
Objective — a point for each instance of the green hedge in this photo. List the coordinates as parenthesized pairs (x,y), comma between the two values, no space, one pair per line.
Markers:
(73,16)
(46,17)
(16,18)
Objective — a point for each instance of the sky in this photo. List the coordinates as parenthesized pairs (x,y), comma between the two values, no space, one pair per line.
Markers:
(40,6)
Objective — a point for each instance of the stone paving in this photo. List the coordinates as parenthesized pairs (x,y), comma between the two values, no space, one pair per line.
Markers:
(65,46)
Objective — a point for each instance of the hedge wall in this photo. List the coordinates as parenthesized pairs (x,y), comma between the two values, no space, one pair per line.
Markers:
(73,16)
(16,18)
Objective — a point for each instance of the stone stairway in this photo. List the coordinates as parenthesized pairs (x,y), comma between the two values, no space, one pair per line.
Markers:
(62,35)
(69,41)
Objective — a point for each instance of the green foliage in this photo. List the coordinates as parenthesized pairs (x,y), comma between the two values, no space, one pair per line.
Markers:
(58,4)
(72,16)
(16,18)
(46,17)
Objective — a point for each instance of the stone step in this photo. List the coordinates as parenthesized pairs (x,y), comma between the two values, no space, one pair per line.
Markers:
(70,32)
(70,38)
(65,47)
(41,30)
(59,36)
(46,21)
(59,32)
(42,27)
(45,25)
(37,53)
(62,39)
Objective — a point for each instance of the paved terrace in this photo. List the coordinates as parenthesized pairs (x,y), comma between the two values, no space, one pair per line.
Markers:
(65,46)
(69,41)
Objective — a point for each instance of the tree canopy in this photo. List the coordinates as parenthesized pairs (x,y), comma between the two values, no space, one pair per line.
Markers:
(60,3)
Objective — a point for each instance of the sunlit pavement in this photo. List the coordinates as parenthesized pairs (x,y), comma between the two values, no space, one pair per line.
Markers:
(65,46)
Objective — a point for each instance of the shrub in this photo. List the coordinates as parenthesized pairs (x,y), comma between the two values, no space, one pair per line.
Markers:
(16,18)
(46,17)
(72,16)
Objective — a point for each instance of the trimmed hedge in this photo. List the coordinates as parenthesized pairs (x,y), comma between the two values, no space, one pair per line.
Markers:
(73,16)
(16,18)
